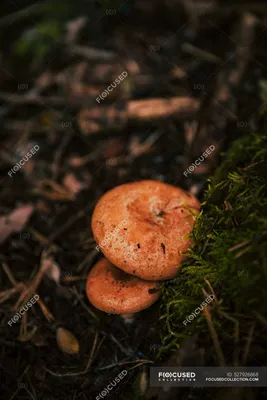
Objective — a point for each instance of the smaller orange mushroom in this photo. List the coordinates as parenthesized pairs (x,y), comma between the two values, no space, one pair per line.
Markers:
(114,291)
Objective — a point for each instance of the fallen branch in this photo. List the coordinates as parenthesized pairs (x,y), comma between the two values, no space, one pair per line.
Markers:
(93,54)
(31,99)
(214,337)
(99,119)
(30,290)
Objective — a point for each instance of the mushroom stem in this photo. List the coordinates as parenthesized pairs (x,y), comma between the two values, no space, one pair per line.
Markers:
(128,318)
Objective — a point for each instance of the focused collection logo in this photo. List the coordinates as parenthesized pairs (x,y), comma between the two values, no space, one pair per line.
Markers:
(176,376)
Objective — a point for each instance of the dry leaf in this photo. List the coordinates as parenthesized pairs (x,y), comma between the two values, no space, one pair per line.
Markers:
(29,167)
(53,272)
(143,383)
(53,190)
(67,342)
(42,207)
(113,148)
(73,29)
(38,339)
(137,148)
(72,184)
(15,221)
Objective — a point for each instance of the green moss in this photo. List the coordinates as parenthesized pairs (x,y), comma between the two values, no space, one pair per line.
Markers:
(234,215)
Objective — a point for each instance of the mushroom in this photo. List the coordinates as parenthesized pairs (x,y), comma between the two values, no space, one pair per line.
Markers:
(143,228)
(114,291)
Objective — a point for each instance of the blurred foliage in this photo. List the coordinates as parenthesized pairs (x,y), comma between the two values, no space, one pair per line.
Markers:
(44,28)
(44,24)
(39,41)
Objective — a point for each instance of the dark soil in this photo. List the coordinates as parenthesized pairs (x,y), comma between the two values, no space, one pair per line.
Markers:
(168,50)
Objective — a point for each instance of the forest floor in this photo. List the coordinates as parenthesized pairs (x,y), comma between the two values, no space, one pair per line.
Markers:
(195,78)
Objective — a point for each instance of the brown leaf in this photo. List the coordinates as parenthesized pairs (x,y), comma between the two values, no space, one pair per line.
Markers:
(113,148)
(52,190)
(137,148)
(73,29)
(38,339)
(142,383)
(72,184)
(53,272)
(67,342)
(15,221)
(29,167)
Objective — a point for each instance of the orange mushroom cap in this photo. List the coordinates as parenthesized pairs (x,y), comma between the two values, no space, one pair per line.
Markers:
(114,291)
(143,227)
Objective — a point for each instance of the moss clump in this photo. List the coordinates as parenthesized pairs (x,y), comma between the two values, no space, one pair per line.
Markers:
(229,256)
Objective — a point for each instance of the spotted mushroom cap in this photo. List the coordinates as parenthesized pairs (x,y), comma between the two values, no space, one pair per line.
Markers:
(143,227)
(114,291)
